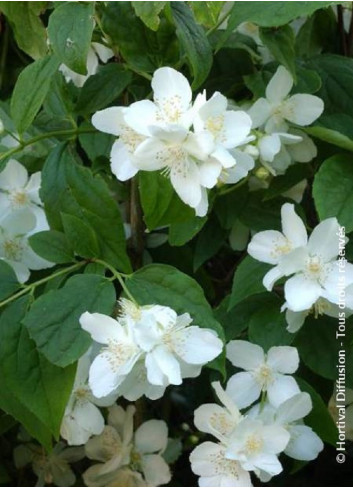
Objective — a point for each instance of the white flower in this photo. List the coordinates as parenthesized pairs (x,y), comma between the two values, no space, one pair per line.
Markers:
(174,349)
(210,462)
(52,468)
(15,229)
(256,446)
(277,109)
(303,444)
(315,268)
(128,456)
(17,191)
(263,373)
(272,246)
(136,384)
(116,359)
(82,418)
(96,52)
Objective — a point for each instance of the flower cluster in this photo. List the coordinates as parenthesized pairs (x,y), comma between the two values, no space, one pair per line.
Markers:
(193,143)
(146,349)
(252,441)
(21,215)
(313,264)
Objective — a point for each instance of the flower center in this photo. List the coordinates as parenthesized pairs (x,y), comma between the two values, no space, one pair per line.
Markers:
(130,138)
(12,249)
(117,353)
(224,466)
(253,444)
(221,423)
(170,109)
(215,126)
(18,198)
(282,248)
(263,376)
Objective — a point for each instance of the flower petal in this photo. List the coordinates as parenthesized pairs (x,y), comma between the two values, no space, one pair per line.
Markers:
(269,146)
(283,359)
(292,226)
(186,182)
(121,162)
(155,470)
(279,86)
(103,379)
(140,115)
(196,345)
(295,408)
(324,239)
(282,388)
(301,293)
(13,176)
(268,246)
(110,120)
(101,327)
(151,436)
(171,86)
(304,443)
(161,362)
(244,354)
(243,389)
(303,109)
(271,277)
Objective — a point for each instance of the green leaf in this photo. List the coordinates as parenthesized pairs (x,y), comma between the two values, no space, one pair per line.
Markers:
(149,12)
(96,144)
(81,236)
(70,188)
(165,285)
(269,14)
(8,280)
(182,232)
(319,418)
(247,280)
(53,320)
(207,13)
(208,243)
(280,42)
(316,341)
(333,190)
(102,88)
(267,326)
(193,41)
(30,91)
(161,205)
(29,31)
(52,245)
(128,34)
(331,136)
(260,215)
(41,387)
(70,31)
(317,34)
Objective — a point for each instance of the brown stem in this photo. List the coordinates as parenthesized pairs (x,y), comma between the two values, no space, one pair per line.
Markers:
(341,30)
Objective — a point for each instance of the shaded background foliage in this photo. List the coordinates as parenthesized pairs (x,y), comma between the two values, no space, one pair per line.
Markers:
(52,121)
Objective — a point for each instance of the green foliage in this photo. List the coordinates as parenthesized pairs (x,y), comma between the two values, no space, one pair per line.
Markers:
(53,320)
(53,246)
(70,31)
(332,190)
(28,28)
(8,280)
(148,13)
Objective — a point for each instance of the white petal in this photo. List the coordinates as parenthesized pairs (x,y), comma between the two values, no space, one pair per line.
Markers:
(103,52)
(196,345)
(292,226)
(282,388)
(295,320)
(275,439)
(22,272)
(103,379)
(223,156)
(19,222)
(324,239)
(280,85)
(151,436)
(271,277)
(295,408)
(303,109)
(266,462)
(295,261)
(109,120)
(101,327)
(304,151)
(215,420)
(209,172)
(283,359)
(155,470)
(301,293)
(33,186)
(268,246)
(202,208)
(244,354)
(33,261)
(121,162)
(140,115)
(151,154)
(166,363)
(237,125)
(243,389)
(259,112)
(243,164)
(186,182)
(169,84)
(304,443)
(13,176)
(269,146)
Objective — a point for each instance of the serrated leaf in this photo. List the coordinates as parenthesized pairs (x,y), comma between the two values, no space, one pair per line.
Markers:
(53,320)
(70,31)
